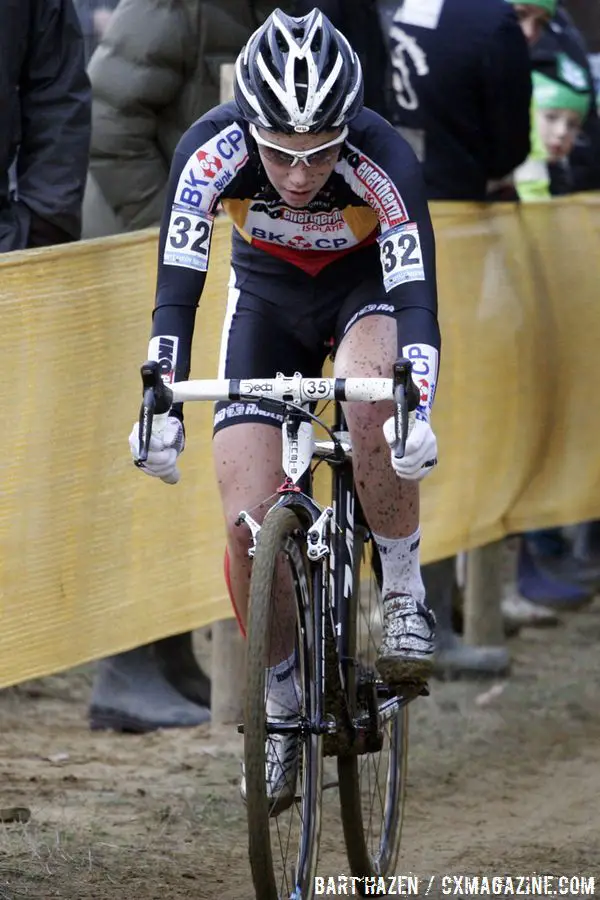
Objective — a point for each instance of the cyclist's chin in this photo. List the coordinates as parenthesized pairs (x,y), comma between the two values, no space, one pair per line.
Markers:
(297,199)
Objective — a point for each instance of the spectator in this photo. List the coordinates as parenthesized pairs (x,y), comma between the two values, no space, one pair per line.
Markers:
(563,36)
(94,16)
(549,574)
(455,77)
(545,25)
(586,18)
(534,16)
(156,71)
(44,123)
(562,97)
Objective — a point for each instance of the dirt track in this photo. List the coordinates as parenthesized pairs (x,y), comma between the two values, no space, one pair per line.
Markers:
(510,786)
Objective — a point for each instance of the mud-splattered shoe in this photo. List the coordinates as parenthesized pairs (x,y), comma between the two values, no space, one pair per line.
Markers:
(408,643)
(281,771)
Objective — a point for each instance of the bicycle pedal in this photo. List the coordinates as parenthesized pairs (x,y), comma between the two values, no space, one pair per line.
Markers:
(411,689)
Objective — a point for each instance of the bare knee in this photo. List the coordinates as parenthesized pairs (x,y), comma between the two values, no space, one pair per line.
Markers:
(368,350)
(238,532)
(248,467)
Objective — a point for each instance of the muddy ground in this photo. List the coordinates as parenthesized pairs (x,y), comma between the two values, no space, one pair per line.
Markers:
(511,785)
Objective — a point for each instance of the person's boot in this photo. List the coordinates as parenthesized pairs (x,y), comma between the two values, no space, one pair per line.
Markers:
(541,586)
(586,546)
(518,610)
(178,663)
(557,557)
(130,694)
(453,658)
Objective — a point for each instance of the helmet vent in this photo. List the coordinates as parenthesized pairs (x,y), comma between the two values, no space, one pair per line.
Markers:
(328,66)
(282,44)
(301,80)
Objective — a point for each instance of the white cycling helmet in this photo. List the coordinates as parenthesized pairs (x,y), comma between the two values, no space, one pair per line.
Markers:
(298,75)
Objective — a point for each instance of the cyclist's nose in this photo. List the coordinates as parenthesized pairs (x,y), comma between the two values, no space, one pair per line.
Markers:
(299,177)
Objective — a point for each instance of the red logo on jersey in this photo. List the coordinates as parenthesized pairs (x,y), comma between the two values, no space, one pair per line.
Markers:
(211,165)
(425,390)
(300,243)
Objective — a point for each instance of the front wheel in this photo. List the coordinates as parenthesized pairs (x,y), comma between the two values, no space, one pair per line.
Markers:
(372,786)
(283,837)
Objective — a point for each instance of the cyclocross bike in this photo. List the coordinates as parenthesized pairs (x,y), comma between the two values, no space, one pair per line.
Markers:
(333,572)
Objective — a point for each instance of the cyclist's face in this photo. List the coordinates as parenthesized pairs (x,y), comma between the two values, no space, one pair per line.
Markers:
(298,184)
(532,19)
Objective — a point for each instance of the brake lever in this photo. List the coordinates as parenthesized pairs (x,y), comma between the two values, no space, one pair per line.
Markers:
(406,399)
(157,399)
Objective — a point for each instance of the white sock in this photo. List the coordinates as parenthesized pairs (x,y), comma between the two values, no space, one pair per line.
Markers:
(400,564)
(282,689)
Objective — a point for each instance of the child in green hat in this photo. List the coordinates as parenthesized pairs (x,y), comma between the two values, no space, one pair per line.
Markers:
(562,98)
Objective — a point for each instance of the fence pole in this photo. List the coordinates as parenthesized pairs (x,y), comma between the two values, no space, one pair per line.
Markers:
(483,625)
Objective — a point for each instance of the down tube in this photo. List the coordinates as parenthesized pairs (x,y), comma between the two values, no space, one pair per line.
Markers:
(345,506)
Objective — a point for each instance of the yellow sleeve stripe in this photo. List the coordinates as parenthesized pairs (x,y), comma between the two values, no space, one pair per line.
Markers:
(362,221)
(237,210)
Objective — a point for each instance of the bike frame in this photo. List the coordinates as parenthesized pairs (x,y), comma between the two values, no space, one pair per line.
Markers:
(332,570)
(333,590)
(329,531)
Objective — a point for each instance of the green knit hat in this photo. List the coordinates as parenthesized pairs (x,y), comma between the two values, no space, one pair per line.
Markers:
(549,5)
(567,87)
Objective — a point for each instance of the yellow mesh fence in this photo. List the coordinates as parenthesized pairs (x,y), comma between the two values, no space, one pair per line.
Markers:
(96,558)
(516,419)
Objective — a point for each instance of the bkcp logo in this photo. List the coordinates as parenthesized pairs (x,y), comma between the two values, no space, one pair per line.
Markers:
(424,390)
(210,164)
(210,168)
(300,243)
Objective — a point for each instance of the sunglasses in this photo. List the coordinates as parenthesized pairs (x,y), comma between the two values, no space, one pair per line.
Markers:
(281,156)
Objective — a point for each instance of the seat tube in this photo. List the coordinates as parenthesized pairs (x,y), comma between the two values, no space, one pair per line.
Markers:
(318,611)
(342,580)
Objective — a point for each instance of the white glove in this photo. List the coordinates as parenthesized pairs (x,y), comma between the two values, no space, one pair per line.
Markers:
(166,443)
(420,454)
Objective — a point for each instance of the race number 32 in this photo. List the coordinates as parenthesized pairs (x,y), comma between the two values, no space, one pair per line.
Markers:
(401,256)
(188,241)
